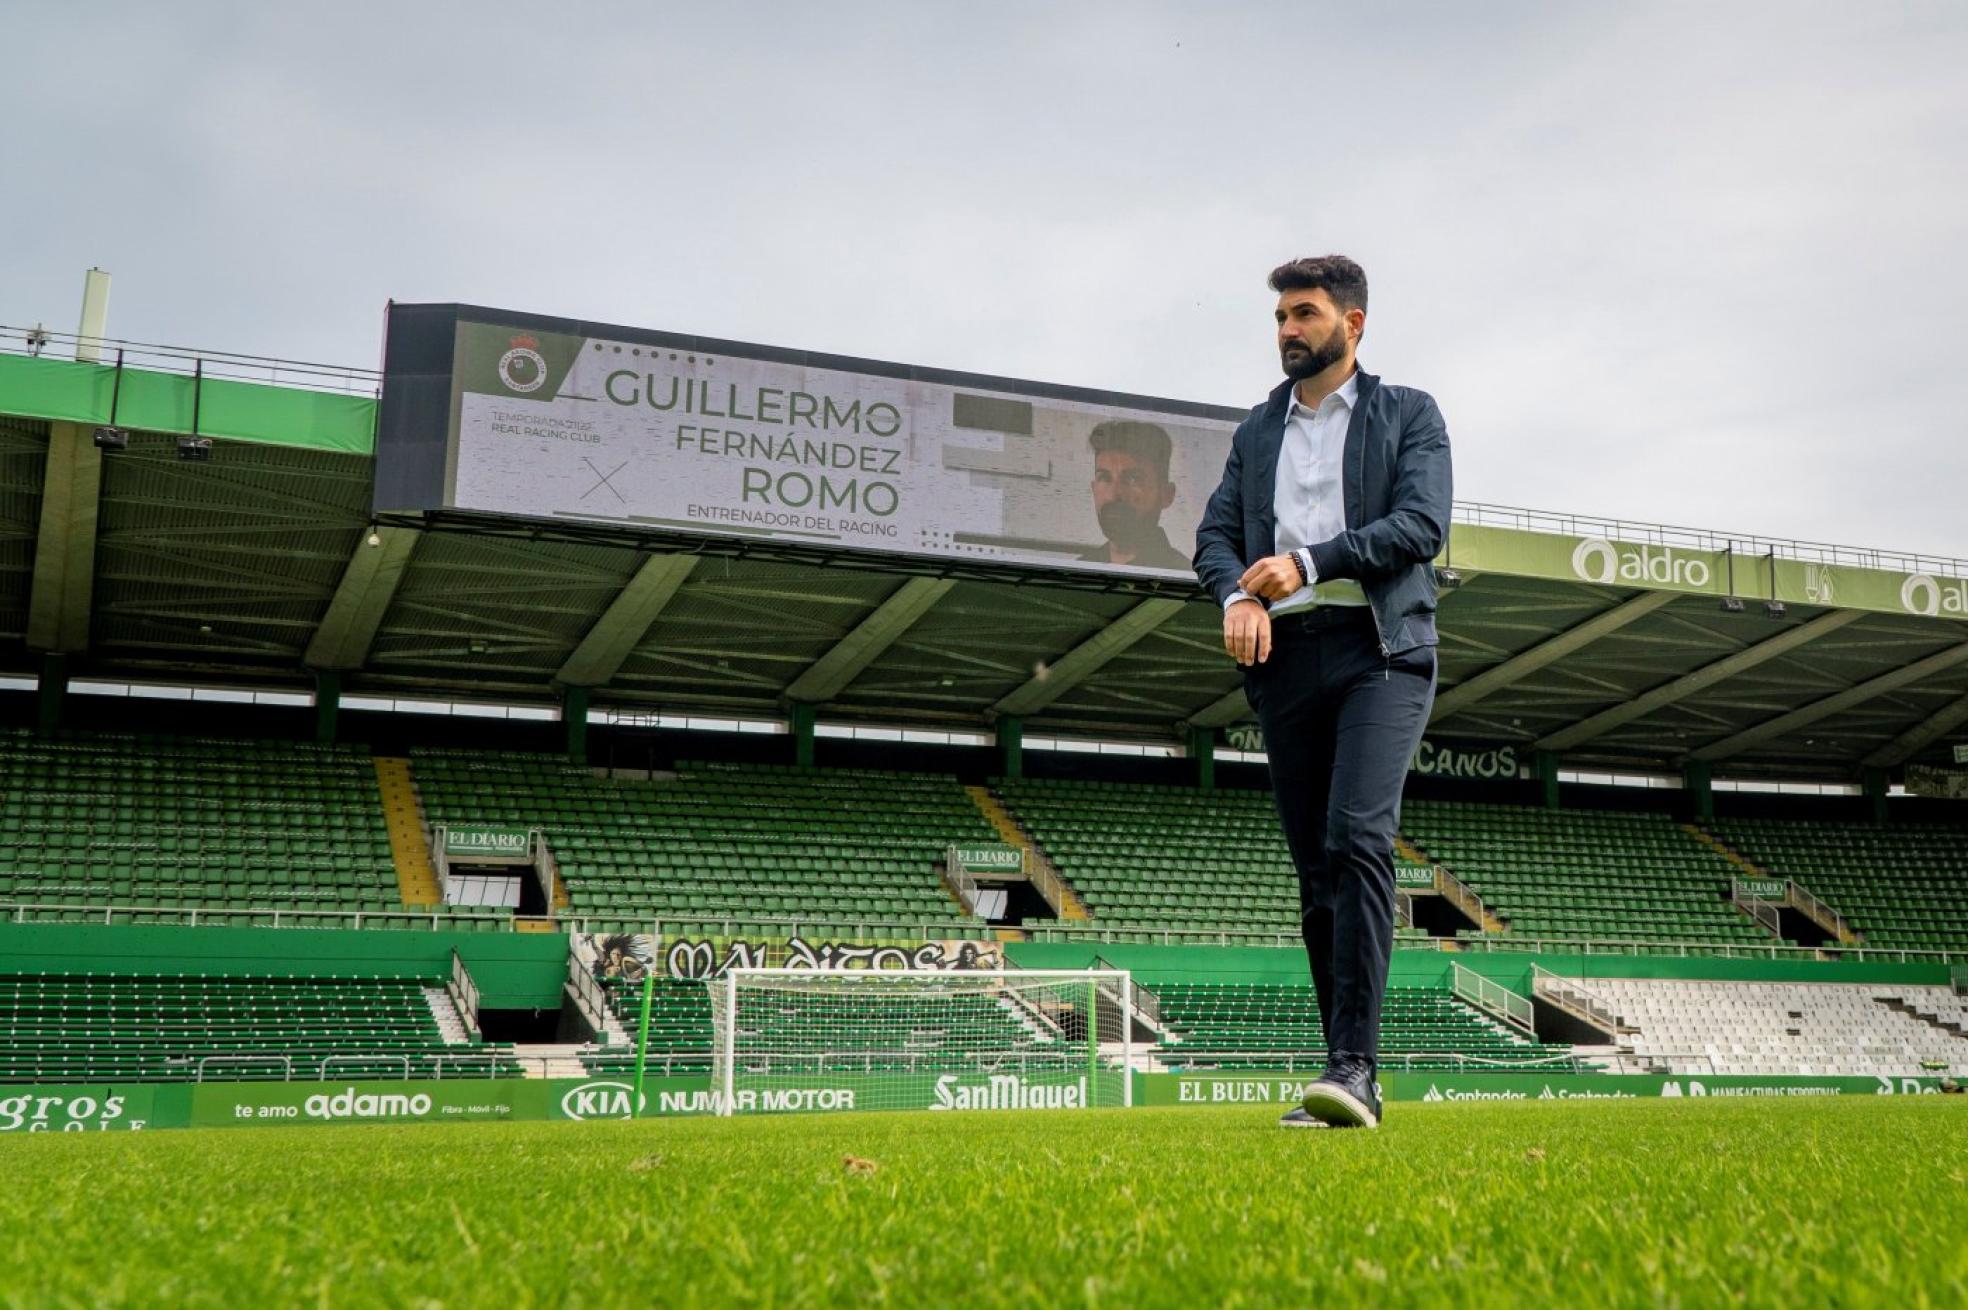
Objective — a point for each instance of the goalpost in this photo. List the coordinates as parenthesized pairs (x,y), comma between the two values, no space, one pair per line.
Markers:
(921,1039)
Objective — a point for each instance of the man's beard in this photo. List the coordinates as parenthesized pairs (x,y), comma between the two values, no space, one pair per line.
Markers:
(1311,360)
(1126,526)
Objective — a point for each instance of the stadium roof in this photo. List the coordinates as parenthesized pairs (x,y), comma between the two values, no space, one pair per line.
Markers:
(1615,644)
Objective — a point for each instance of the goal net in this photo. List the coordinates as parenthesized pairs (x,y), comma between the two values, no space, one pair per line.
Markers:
(912,1039)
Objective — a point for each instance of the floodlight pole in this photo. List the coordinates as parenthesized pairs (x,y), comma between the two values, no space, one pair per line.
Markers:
(642,1040)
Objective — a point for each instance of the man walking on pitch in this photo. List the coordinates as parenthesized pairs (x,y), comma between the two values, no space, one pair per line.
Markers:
(1318,543)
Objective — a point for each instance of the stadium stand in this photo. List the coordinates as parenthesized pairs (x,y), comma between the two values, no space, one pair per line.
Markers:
(1692,1027)
(177,1028)
(1249,1025)
(1154,857)
(147,821)
(1899,885)
(793,1026)
(1205,1026)
(679,1028)
(1585,874)
(723,840)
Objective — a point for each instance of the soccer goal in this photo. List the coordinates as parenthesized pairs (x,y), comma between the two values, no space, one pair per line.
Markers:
(921,1039)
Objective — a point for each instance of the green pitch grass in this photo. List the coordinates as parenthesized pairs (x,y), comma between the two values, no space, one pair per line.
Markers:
(1849,1201)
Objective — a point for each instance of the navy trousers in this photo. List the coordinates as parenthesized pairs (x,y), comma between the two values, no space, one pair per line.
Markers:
(1341,722)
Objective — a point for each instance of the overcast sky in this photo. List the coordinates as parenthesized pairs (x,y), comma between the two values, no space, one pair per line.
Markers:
(1701,264)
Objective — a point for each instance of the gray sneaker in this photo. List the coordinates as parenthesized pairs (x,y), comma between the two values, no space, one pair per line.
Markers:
(1345,1096)
(1299,1119)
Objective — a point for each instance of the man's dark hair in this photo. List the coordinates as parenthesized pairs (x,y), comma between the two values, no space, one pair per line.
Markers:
(1133,437)
(1336,275)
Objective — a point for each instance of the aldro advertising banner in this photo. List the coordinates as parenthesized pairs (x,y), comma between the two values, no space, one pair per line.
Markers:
(553,419)
(1476,548)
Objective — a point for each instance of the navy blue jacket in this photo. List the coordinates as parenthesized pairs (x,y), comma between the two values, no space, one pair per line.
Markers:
(1397,490)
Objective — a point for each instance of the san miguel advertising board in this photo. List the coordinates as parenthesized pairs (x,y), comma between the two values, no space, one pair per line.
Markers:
(497,413)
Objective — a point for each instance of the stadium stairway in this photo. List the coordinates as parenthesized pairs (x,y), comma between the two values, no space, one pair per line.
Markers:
(714,844)
(1900,885)
(1050,882)
(1575,875)
(1455,890)
(403,814)
(1835,925)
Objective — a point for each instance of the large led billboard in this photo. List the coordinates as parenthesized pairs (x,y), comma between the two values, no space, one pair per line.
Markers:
(491,412)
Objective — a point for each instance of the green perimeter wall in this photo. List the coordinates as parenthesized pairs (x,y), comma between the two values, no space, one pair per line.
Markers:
(514,971)
(141,1106)
(1256,964)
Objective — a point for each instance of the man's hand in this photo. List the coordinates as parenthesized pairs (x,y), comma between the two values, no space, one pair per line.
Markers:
(1247,632)
(1274,577)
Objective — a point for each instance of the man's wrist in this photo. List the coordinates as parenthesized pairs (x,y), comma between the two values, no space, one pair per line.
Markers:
(1236,596)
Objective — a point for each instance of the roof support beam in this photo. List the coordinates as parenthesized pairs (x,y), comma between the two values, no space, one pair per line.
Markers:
(1526,662)
(626,621)
(65,552)
(1920,736)
(361,598)
(1084,660)
(1696,680)
(1858,694)
(829,675)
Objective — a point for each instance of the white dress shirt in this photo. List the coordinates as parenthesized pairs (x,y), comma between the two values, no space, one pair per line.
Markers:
(1308,499)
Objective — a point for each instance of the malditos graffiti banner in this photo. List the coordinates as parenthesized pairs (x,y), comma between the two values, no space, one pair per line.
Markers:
(629,956)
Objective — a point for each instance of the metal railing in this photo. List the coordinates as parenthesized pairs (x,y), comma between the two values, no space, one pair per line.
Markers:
(194,916)
(1492,998)
(1761,910)
(212,365)
(203,1064)
(1147,1005)
(1569,995)
(348,379)
(1825,917)
(1090,930)
(464,992)
(1185,1059)
(1743,544)
(589,998)
(1692,950)
(959,880)
(1461,895)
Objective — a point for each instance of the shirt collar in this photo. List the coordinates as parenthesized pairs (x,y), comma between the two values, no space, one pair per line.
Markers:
(1348,394)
